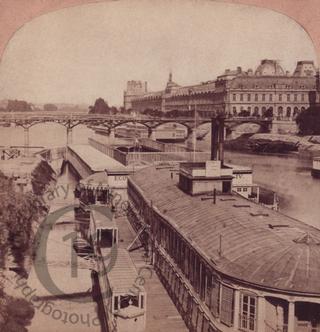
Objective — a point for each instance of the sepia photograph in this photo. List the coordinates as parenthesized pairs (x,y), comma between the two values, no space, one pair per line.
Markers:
(159,166)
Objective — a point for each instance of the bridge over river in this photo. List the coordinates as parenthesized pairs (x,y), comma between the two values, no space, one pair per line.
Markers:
(110,122)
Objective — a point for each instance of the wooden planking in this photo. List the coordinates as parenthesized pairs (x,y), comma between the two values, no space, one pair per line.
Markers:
(162,315)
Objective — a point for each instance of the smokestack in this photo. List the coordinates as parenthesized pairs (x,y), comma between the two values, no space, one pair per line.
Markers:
(217,138)
(214,138)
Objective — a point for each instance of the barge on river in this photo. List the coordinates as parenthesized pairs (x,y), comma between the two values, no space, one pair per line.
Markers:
(315,171)
(228,263)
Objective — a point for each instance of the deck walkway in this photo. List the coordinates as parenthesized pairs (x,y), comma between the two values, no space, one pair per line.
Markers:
(162,315)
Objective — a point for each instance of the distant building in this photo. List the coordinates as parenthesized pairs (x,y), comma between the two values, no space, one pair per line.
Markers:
(134,89)
(269,87)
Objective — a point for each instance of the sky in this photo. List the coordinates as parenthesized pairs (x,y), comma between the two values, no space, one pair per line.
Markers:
(79,54)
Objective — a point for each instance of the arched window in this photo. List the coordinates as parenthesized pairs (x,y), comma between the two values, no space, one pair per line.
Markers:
(295,111)
(280,112)
(263,110)
(269,112)
(234,110)
(256,111)
(288,112)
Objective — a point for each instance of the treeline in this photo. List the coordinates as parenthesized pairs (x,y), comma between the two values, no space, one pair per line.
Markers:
(308,121)
(24,106)
(18,212)
(169,114)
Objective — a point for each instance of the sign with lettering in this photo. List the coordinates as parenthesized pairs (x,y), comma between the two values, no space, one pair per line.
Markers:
(213,168)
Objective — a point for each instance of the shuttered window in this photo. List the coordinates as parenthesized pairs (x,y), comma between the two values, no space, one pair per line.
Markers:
(202,281)
(226,308)
(208,288)
(215,297)
(186,261)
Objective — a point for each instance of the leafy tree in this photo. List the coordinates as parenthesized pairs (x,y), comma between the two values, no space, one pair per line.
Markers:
(99,107)
(18,106)
(268,113)
(153,113)
(15,314)
(50,107)
(18,212)
(308,121)
(244,113)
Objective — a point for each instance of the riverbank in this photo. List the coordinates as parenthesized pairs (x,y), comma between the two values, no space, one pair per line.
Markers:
(302,146)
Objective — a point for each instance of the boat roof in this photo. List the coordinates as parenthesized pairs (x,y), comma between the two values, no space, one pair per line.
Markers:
(96,160)
(95,180)
(259,246)
(103,218)
(239,168)
(123,275)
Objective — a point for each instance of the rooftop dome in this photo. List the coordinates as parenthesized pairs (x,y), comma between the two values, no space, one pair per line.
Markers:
(269,68)
(171,85)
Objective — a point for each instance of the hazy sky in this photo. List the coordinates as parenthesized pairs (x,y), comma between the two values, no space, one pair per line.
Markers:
(79,54)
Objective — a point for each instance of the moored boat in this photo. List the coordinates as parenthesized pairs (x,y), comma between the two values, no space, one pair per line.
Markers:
(315,171)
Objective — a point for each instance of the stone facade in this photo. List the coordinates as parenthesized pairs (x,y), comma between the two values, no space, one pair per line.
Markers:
(134,89)
(269,87)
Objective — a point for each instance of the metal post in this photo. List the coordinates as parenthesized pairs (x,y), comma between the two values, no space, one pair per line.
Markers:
(214,139)
(195,132)
(69,135)
(221,139)
(26,142)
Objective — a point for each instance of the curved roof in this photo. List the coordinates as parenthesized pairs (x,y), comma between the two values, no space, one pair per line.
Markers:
(95,181)
(269,68)
(259,246)
(96,160)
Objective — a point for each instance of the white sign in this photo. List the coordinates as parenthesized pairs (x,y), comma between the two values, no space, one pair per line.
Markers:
(213,168)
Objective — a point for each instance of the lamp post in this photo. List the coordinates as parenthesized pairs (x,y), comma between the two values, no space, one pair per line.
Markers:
(194,138)
(134,114)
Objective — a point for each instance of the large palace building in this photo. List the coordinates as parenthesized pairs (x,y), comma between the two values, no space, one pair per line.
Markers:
(269,87)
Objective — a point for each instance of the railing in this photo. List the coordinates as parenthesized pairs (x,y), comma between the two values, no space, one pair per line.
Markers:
(156,157)
(277,328)
(104,148)
(164,147)
(147,157)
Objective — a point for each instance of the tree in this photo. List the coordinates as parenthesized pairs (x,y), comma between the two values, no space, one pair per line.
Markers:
(18,106)
(100,107)
(244,113)
(50,107)
(268,113)
(308,121)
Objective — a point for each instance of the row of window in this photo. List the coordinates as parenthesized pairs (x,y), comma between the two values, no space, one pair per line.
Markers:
(269,97)
(280,111)
(219,298)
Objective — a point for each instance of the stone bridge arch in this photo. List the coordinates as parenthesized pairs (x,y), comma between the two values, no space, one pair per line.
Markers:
(264,125)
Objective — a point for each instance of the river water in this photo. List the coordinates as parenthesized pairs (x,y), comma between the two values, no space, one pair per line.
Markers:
(289,176)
